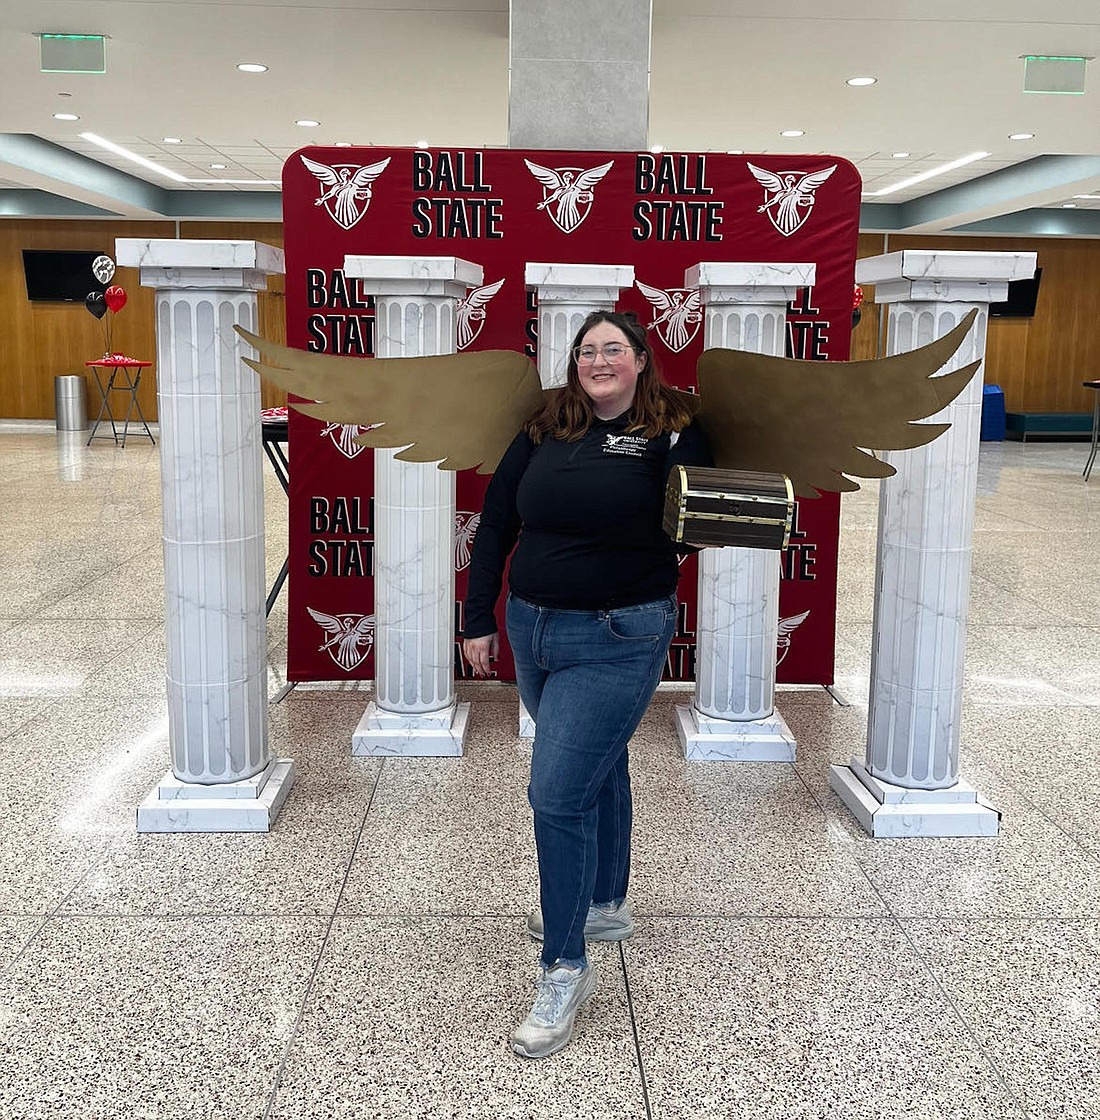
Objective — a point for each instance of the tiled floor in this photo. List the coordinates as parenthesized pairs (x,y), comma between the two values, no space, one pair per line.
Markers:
(367,958)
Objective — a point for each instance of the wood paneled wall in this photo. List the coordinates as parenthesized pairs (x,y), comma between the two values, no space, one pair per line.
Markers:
(1040,362)
(41,340)
(38,341)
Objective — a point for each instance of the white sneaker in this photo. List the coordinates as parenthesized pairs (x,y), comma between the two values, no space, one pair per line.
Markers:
(549,1026)
(599,925)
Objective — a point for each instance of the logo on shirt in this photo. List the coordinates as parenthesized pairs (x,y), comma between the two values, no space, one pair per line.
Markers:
(635,446)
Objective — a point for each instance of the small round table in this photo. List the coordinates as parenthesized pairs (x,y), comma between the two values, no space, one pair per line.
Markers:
(130,368)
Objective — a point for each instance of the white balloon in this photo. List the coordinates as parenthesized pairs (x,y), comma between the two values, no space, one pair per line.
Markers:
(103,268)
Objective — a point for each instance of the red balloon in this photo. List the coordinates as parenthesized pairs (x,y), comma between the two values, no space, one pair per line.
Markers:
(115,297)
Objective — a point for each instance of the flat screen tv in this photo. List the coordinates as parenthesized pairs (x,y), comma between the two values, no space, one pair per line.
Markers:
(1022,295)
(60,276)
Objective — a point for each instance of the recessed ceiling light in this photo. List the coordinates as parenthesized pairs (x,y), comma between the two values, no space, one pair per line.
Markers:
(308,123)
(1093,196)
(65,117)
(422,143)
(941,170)
(735,152)
(217,167)
(1022,136)
(252,67)
(900,155)
(171,140)
(342,144)
(1069,205)
(862,81)
(657,149)
(793,132)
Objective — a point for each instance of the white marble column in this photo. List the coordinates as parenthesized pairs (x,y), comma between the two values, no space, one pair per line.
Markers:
(908,782)
(567,295)
(733,716)
(414,711)
(223,776)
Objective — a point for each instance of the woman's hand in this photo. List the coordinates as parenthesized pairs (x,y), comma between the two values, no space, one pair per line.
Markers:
(480,651)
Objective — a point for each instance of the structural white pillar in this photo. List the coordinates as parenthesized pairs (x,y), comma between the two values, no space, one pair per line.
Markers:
(733,716)
(908,782)
(414,711)
(223,777)
(567,295)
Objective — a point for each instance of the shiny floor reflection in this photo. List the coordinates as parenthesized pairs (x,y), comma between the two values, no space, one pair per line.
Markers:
(367,957)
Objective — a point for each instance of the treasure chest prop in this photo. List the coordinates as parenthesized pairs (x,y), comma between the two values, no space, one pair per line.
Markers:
(709,506)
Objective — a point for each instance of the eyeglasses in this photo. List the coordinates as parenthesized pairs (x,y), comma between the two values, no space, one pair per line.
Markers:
(612,352)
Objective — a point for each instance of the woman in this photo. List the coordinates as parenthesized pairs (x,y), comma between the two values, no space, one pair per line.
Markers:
(591,611)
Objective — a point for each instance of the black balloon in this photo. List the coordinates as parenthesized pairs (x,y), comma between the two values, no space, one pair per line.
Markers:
(96,304)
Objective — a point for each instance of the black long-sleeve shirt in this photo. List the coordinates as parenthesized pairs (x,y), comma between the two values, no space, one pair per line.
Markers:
(587,516)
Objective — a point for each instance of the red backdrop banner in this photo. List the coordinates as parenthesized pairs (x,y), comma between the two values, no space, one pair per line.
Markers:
(661,213)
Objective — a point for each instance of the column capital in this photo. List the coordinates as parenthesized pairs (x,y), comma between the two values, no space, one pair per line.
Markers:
(944,275)
(169,263)
(749,281)
(414,276)
(578,283)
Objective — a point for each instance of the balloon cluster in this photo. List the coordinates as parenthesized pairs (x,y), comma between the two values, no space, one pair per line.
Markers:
(113,299)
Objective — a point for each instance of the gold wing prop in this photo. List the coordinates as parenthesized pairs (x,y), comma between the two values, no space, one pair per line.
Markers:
(463,409)
(808,420)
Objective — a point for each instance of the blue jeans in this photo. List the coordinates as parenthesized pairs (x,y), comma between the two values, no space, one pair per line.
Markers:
(587,678)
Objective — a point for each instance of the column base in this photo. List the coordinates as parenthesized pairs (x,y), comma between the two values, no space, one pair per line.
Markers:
(886,810)
(720,740)
(382,734)
(246,806)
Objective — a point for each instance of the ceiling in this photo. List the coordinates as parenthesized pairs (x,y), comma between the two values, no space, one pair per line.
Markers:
(725,75)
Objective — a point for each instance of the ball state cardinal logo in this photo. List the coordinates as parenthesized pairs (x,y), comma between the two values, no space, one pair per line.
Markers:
(792,195)
(345,188)
(466,523)
(679,313)
(350,637)
(470,312)
(787,626)
(567,192)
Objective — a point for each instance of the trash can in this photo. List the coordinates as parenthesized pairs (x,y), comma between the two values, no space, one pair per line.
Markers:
(993,413)
(70,397)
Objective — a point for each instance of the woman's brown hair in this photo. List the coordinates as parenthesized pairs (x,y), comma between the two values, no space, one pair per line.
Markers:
(656,408)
